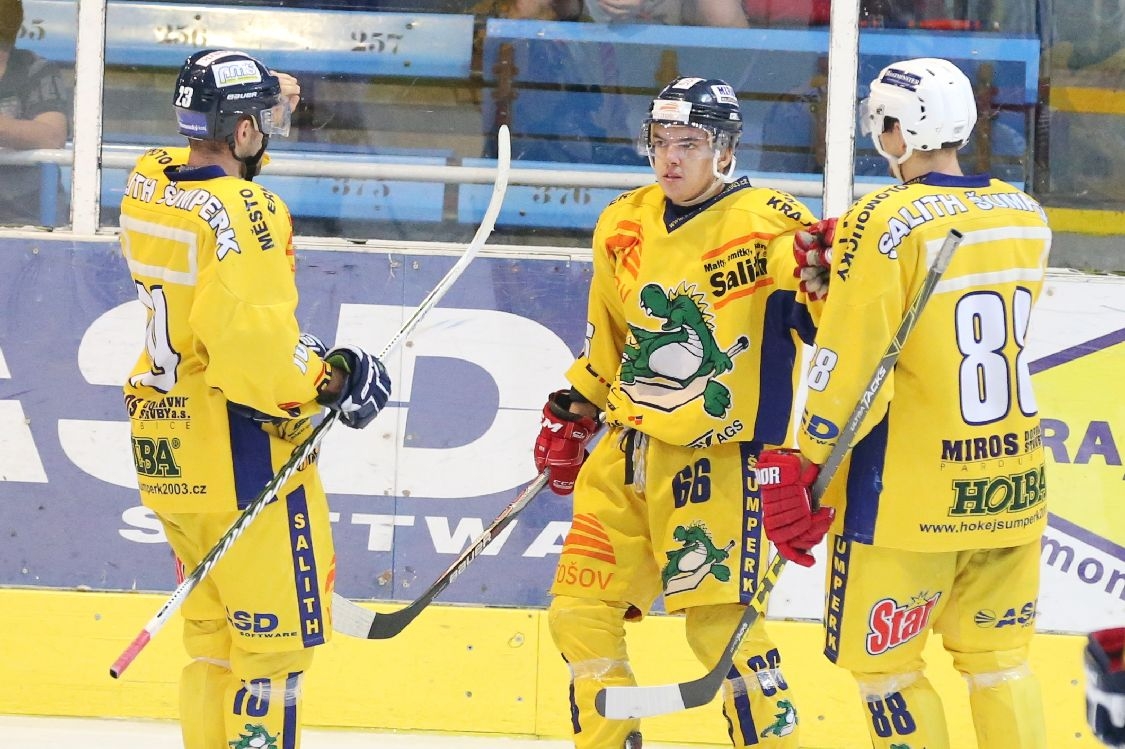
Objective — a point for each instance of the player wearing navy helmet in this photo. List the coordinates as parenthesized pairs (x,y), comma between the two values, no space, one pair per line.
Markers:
(694,320)
(224,388)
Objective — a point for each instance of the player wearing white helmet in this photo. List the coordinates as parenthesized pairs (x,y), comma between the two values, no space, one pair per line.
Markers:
(694,322)
(941,503)
(225,387)
(932,103)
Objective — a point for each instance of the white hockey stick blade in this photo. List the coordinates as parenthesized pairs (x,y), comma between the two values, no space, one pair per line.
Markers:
(625,702)
(312,442)
(622,703)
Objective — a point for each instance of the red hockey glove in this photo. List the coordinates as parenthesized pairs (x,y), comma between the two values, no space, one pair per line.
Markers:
(561,444)
(812,248)
(789,520)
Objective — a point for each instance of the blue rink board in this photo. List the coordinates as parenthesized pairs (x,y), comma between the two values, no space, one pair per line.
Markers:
(70,531)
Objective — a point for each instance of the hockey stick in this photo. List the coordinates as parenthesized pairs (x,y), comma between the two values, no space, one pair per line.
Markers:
(348,618)
(302,452)
(625,702)
(355,621)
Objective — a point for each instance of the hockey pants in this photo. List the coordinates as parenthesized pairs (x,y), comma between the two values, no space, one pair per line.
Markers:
(590,634)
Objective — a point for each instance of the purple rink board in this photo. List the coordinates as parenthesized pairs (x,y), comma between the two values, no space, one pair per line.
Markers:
(454,446)
(64,527)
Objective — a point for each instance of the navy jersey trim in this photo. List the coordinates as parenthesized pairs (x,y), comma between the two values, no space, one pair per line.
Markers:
(775,405)
(865,484)
(250,458)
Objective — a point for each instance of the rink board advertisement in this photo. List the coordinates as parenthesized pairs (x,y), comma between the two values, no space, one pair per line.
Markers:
(409,493)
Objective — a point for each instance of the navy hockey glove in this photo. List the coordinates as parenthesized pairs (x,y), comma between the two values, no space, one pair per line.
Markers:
(312,343)
(1105,685)
(560,447)
(367,389)
(812,249)
(787,513)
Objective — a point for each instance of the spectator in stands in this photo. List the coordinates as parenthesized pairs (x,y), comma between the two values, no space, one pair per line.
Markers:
(34,112)
(787,12)
(669,12)
(872,14)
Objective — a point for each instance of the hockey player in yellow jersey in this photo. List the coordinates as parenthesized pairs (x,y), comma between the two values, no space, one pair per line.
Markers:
(694,323)
(224,389)
(940,505)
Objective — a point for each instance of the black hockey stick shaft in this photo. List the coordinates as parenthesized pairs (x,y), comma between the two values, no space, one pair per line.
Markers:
(359,622)
(302,452)
(626,702)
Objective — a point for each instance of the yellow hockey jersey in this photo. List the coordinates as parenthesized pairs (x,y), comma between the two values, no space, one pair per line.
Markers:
(949,456)
(212,260)
(693,317)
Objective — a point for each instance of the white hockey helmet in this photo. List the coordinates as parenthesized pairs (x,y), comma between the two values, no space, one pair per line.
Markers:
(930,97)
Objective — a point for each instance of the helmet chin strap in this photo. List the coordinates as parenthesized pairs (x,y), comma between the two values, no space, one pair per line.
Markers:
(251,165)
(895,162)
(726,176)
(716,186)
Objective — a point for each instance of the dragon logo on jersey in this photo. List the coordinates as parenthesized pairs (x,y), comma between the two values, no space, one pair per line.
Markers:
(784,722)
(256,738)
(672,366)
(696,558)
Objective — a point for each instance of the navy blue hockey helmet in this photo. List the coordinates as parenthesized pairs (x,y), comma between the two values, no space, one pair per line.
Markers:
(708,103)
(217,88)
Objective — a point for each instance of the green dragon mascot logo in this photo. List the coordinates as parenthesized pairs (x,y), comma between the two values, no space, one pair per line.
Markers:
(784,722)
(696,558)
(256,738)
(678,363)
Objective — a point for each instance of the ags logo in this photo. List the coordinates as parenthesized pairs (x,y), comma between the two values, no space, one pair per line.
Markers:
(892,624)
(1024,617)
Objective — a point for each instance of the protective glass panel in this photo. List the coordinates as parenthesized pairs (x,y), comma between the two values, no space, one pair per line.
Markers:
(994,43)
(36,83)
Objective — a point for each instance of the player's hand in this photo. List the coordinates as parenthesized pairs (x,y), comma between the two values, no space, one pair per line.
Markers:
(789,520)
(812,249)
(290,89)
(365,391)
(560,448)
